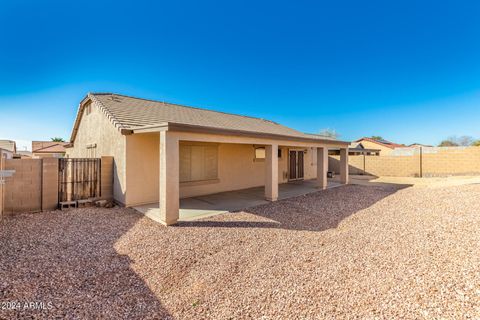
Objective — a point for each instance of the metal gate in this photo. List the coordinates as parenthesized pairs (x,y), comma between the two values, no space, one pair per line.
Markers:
(78,179)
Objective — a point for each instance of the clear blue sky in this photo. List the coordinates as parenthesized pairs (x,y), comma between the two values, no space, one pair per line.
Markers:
(406,70)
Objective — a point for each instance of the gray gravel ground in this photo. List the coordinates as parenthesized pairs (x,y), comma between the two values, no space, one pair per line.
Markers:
(349,252)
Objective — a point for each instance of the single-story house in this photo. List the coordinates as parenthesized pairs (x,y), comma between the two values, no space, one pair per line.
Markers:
(164,152)
(384,147)
(8,149)
(48,149)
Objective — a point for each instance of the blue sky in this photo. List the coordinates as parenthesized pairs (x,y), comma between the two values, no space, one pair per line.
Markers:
(406,70)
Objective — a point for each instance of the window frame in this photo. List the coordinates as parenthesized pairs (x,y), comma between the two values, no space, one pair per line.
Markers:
(204,180)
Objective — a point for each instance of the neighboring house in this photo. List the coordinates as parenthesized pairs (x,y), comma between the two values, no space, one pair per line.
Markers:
(48,149)
(356,150)
(383,146)
(163,152)
(8,149)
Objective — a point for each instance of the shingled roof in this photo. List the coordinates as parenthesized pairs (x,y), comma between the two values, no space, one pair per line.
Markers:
(132,113)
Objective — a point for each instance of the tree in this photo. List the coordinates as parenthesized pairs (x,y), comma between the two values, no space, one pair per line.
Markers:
(476,143)
(447,143)
(377,138)
(465,141)
(330,133)
(57,139)
(455,141)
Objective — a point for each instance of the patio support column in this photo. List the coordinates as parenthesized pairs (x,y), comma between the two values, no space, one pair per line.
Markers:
(344,165)
(322,167)
(271,172)
(169,178)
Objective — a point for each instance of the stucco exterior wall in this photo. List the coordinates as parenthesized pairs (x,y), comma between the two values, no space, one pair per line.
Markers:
(142,165)
(96,128)
(237,169)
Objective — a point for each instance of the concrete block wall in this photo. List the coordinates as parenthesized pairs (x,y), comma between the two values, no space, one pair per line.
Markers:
(107,178)
(2,202)
(451,161)
(49,184)
(34,185)
(430,162)
(23,191)
(404,166)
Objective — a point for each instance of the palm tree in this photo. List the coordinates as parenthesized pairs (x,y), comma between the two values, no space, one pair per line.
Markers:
(57,139)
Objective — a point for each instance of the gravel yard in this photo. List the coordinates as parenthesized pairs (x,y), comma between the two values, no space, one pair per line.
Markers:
(378,252)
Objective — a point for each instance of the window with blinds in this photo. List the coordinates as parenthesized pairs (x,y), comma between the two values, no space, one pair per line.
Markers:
(198,163)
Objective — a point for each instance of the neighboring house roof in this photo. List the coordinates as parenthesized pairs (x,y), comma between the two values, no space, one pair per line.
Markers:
(419,145)
(384,143)
(8,145)
(130,113)
(48,147)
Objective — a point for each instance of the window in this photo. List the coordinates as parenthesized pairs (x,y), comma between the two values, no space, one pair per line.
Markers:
(259,153)
(198,162)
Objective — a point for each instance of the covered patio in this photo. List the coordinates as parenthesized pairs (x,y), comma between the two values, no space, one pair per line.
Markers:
(273,177)
(204,206)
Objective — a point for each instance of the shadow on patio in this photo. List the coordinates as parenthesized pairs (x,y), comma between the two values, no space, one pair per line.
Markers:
(316,211)
(199,207)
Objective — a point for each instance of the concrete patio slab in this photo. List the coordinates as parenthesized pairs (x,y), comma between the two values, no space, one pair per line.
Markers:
(213,204)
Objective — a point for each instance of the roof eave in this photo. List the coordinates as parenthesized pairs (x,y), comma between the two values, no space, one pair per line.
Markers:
(181,127)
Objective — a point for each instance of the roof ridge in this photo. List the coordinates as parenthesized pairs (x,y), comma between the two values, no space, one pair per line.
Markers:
(185,106)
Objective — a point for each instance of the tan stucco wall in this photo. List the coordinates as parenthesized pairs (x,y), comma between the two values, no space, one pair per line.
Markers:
(237,169)
(97,128)
(142,164)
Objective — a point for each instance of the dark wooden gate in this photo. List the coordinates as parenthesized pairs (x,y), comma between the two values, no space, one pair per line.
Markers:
(79,179)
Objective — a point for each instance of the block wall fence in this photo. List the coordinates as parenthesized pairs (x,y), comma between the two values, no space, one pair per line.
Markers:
(34,185)
(2,202)
(425,162)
